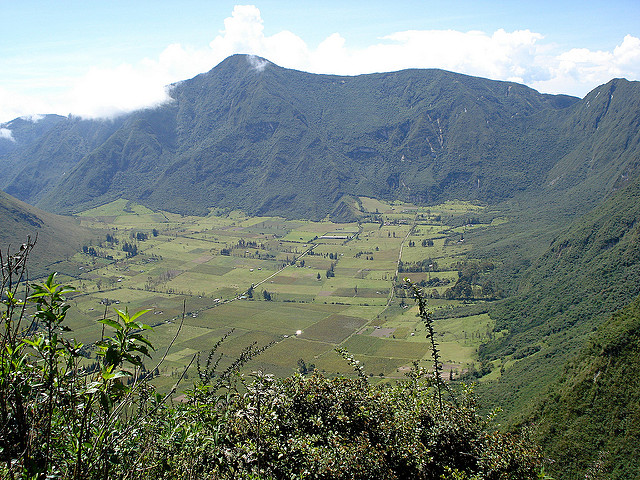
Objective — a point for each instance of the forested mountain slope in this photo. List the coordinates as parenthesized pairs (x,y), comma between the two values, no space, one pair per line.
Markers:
(272,140)
(251,135)
(24,131)
(605,131)
(43,151)
(586,274)
(591,417)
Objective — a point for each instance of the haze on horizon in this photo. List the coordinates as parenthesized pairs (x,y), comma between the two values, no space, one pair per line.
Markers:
(99,61)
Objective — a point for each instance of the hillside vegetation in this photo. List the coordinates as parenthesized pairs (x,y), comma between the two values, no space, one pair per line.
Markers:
(277,141)
(45,150)
(590,421)
(585,275)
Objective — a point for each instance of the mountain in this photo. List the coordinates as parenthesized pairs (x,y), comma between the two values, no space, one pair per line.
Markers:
(56,237)
(586,272)
(275,141)
(25,131)
(42,151)
(249,134)
(604,129)
(562,300)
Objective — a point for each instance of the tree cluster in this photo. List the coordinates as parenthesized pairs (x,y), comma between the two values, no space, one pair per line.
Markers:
(130,248)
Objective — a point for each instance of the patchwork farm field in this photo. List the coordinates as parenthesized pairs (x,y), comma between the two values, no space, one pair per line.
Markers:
(302,287)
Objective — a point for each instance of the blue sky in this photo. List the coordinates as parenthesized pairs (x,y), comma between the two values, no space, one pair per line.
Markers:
(102,58)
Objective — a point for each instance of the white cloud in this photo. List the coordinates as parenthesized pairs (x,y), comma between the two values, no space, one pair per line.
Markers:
(579,70)
(521,55)
(14,105)
(34,118)
(6,134)
(104,92)
(257,63)
(244,33)
(501,55)
(110,92)
(627,54)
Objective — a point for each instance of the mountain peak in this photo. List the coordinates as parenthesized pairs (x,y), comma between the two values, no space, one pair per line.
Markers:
(242,61)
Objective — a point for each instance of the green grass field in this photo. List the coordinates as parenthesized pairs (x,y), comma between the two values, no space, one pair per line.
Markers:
(224,267)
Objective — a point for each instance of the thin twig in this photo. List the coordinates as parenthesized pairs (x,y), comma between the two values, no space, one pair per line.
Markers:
(184,309)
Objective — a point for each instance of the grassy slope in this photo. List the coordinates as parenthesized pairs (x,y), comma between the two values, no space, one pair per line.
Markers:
(57,237)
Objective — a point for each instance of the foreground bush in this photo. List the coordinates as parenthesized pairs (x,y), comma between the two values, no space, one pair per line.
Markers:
(337,428)
(71,411)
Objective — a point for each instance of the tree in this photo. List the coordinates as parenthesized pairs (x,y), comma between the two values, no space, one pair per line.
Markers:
(302,367)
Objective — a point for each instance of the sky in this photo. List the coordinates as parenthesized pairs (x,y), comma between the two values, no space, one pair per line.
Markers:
(99,59)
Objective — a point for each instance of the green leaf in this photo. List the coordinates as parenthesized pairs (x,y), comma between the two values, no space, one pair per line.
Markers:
(137,314)
(114,376)
(111,323)
(142,339)
(124,315)
(38,295)
(33,343)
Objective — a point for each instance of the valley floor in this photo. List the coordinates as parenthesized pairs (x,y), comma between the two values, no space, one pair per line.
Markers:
(304,287)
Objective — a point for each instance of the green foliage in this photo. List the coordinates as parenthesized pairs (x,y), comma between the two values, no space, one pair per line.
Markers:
(127,343)
(62,417)
(317,427)
(427,319)
(338,428)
